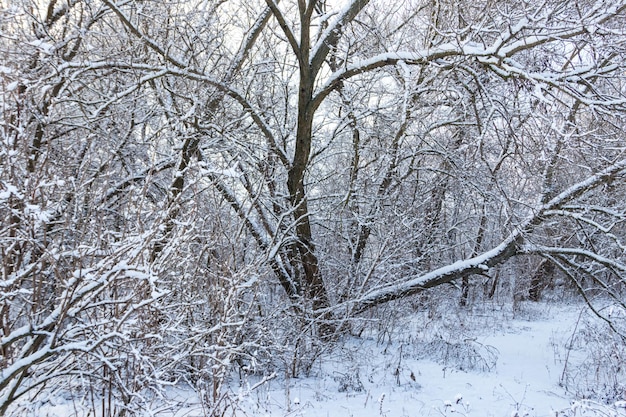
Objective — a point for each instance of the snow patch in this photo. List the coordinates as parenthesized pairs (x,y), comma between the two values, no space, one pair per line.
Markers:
(45,47)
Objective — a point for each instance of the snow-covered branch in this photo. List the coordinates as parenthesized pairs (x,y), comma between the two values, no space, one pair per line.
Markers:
(509,247)
(71,326)
(499,56)
(333,31)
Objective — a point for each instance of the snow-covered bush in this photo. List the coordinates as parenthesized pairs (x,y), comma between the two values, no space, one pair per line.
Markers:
(465,354)
(589,408)
(594,365)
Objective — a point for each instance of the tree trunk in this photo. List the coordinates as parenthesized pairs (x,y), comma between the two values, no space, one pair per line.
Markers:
(539,278)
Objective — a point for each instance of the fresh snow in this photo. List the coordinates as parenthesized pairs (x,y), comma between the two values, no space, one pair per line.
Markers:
(45,47)
(524,380)
(515,372)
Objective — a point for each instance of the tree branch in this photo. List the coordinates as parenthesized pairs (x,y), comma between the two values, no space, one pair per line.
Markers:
(331,35)
(511,246)
(286,30)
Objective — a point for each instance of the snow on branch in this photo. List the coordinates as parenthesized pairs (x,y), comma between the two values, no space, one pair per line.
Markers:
(282,22)
(151,43)
(602,260)
(476,265)
(590,182)
(333,32)
(499,55)
(383,60)
(69,327)
(581,218)
(508,248)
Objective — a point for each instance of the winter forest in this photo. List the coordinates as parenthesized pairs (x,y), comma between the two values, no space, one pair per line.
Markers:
(201,195)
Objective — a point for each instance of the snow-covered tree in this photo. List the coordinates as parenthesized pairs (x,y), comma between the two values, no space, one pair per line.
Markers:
(228,179)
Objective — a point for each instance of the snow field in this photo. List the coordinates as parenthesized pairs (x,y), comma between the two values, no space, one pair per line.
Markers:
(396,379)
(487,364)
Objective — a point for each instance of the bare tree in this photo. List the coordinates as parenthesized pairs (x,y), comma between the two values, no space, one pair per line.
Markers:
(220,165)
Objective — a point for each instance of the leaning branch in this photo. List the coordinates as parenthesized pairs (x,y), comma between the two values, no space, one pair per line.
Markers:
(330,36)
(510,247)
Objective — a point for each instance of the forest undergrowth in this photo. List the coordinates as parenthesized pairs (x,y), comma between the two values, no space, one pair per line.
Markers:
(450,360)
(491,359)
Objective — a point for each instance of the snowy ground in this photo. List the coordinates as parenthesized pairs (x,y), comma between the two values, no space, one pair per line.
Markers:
(507,367)
(459,364)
